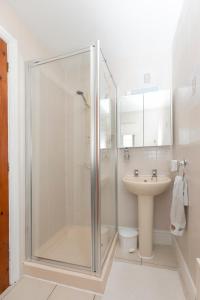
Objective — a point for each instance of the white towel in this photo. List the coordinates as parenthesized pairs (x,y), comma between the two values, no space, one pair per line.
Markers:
(179,200)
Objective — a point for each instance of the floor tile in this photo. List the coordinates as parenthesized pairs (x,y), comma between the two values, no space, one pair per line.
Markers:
(126,256)
(67,293)
(138,282)
(30,289)
(164,256)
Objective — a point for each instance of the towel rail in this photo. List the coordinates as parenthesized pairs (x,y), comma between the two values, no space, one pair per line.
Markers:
(182,163)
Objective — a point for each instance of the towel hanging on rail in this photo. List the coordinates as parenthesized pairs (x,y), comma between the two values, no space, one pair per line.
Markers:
(179,201)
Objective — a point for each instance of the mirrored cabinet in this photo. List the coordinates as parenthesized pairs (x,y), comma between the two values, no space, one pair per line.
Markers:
(145,119)
(131,121)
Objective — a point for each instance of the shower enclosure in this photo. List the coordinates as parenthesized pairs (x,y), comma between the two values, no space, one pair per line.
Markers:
(71,198)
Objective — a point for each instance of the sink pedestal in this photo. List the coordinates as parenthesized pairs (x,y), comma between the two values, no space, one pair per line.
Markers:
(145,214)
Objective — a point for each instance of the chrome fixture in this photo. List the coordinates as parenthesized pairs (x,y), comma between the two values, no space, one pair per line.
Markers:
(183,164)
(154,174)
(126,154)
(136,172)
(80,93)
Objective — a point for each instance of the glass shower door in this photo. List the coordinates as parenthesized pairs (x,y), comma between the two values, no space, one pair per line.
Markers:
(60,160)
(108,158)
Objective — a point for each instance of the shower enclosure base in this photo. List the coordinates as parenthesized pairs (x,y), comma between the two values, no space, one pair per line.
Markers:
(73,278)
(71,244)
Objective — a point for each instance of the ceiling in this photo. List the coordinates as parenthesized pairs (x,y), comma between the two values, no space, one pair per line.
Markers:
(132,32)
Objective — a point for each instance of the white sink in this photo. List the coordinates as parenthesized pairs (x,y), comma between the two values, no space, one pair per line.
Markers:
(146,187)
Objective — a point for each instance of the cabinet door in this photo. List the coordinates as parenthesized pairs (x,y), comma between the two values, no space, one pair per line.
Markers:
(157,118)
(131,121)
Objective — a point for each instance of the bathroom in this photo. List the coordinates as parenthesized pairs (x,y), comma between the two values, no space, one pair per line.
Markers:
(99,150)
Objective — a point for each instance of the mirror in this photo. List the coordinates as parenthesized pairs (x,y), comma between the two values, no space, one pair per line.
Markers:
(145,119)
(157,118)
(131,121)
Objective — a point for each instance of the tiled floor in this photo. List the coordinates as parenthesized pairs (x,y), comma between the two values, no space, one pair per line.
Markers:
(33,289)
(126,281)
(131,278)
(28,288)
(164,257)
(138,282)
(129,257)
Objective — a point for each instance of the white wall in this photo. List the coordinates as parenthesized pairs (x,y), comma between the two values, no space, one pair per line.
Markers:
(186,85)
(136,36)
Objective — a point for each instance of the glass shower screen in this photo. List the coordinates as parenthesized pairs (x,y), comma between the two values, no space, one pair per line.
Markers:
(68,147)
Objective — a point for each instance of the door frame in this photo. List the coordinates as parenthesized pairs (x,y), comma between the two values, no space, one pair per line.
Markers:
(14,157)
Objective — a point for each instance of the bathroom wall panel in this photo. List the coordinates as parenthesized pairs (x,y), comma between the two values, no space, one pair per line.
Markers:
(186,85)
(77,141)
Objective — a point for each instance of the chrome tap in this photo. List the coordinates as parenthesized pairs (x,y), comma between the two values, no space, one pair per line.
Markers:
(136,172)
(154,174)
(126,154)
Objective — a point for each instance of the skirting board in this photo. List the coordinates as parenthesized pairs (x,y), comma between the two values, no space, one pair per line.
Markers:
(186,279)
(198,279)
(162,237)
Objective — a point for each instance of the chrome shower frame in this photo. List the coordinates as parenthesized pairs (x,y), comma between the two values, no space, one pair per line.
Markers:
(96,263)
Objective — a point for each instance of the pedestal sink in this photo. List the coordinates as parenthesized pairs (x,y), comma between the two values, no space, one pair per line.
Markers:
(146,187)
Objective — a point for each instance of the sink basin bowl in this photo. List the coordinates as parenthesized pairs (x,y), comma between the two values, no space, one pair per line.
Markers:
(145,185)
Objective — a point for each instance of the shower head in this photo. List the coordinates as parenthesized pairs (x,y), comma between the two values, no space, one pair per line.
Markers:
(80,93)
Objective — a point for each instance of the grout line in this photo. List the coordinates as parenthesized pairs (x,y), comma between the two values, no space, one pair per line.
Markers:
(52,292)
